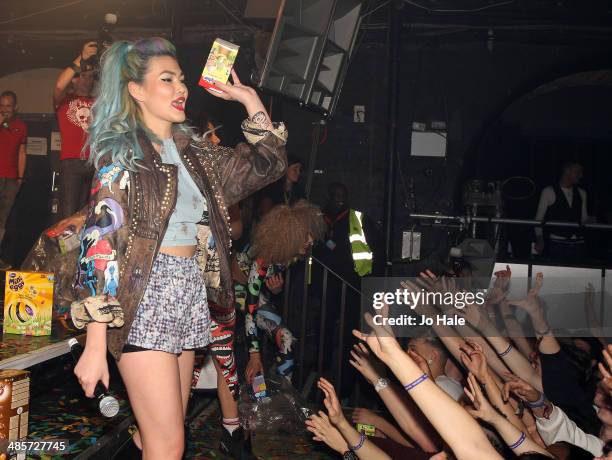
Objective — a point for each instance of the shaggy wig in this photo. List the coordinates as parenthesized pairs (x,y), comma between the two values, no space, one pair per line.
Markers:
(281,234)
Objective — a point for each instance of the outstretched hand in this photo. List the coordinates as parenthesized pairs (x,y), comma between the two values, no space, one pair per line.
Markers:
(482,407)
(520,388)
(473,358)
(89,50)
(369,366)
(605,370)
(382,341)
(324,431)
(275,283)
(500,286)
(531,303)
(331,402)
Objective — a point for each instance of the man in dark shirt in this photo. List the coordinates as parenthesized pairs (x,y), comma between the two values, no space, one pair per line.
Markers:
(563,202)
(337,252)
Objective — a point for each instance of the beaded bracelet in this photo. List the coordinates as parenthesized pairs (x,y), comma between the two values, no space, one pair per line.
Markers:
(538,403)
(506,351)
(411,385)
(362,438)
(520,441)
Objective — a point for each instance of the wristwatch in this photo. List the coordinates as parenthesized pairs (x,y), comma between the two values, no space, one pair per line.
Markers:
(349,455)
(381,384)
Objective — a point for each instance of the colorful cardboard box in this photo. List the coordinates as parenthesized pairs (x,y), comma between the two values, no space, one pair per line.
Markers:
(219,64)
(14,404)
(28,303)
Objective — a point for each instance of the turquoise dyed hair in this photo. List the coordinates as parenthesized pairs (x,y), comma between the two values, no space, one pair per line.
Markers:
(116,120)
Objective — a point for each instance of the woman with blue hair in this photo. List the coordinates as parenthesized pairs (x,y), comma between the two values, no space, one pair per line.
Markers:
(140,272)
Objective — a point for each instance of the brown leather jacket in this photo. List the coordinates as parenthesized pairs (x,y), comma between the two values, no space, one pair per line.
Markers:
(129,213)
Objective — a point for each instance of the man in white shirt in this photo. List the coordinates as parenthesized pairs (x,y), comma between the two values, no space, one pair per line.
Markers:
(563,202)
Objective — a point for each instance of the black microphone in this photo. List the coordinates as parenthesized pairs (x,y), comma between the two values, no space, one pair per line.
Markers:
(108,405)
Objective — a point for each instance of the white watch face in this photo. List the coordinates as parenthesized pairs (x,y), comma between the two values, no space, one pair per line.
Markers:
(381,383)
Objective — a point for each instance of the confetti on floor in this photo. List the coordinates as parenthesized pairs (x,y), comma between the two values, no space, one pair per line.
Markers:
(63,413)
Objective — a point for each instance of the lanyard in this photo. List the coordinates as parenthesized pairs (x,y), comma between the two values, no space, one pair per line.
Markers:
(331,223)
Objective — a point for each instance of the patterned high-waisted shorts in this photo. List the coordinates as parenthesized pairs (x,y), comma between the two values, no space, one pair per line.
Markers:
(173,315)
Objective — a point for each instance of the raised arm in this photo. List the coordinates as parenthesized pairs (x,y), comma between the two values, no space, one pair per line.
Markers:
(409,419)
(531,304)
(66,75)
(366,416)
(515,439)
(592,317)
(553,424)
(502,347)
(452,338)
(511,356)
(473,358)
(452,422)
(251,167)
(514,329)
(357,442)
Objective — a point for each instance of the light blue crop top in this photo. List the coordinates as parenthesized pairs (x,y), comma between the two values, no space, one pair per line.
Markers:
(190,204)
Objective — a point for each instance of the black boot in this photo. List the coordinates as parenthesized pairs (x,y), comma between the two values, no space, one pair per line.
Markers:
(235,445)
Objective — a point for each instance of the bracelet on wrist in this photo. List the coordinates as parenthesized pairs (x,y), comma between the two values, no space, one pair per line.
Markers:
(362,438)
(75,68)
(506,351)
(542,334)
(519,441)
(416,382)
(540,402)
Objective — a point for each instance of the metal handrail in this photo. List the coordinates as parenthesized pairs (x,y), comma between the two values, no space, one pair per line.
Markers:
(503,220)
(337,366)
(336,274)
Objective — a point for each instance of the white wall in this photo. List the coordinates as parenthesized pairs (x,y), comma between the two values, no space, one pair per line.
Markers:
(34,89)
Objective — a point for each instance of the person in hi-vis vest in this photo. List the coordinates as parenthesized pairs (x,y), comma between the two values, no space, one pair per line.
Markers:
(348,246)
(349,250)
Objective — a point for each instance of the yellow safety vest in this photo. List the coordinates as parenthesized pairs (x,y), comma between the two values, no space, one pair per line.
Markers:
(362,254)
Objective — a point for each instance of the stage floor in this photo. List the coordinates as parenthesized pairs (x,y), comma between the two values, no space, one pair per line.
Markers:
(60,411)
(206,433)
(63,413)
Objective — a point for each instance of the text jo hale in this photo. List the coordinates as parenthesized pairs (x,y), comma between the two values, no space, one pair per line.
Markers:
(420,320)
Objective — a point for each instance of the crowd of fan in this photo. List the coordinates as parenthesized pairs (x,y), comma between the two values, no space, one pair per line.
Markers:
(486,390)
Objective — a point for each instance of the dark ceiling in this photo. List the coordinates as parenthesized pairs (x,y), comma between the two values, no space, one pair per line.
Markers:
(49,33)
(35,33)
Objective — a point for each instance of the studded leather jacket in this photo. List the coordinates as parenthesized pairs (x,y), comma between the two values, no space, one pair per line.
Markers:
(129,213)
